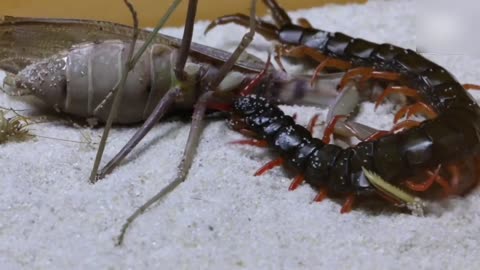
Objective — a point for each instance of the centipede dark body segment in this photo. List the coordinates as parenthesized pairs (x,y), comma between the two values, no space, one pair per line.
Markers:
(433,148)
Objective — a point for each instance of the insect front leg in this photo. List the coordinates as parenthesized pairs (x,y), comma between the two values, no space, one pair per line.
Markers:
(162,107)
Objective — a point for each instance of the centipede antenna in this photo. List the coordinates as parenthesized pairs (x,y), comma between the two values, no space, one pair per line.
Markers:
(195,130)
(130,63)
(414,204)
(246,40)
(279,15)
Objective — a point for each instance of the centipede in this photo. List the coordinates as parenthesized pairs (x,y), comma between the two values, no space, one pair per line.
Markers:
(421,156)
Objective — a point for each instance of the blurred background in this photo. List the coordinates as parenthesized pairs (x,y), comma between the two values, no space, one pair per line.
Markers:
(149,10)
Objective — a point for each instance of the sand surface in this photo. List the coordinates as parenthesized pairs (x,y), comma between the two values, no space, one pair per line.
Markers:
(222,217)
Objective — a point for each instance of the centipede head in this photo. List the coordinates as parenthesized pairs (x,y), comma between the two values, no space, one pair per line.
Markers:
(246,105)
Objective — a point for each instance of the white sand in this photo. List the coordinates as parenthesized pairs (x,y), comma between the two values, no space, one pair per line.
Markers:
(222,217)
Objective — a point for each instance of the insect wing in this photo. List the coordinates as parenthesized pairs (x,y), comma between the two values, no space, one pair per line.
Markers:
(26,40)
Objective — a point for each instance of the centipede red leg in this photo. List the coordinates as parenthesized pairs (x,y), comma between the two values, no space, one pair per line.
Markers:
(447,189)
(409,92)
(302,51)
(331,127)
(252,142)
(413,109)
(433,177)
(402,125)
(348,204)
(312,123)
(405,125)
(297,181)
(399,126)
(321,195)
(423,186)
(377,135)
(257,80)
(270,165)
(469,86)
(330,62)
(366,73)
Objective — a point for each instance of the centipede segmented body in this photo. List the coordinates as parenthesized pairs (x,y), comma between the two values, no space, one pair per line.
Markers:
(434,149)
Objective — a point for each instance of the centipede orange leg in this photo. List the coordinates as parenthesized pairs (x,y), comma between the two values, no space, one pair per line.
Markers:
(434,177)
(402,125)
(330,128)
(377,135)
(407,91)
(297,52)
(413,109)
(366,73)
(302,51)
(257,80)
(447,189)
(252,142)
(469,86)
(332,63)
(296,182)
(348,205)
(321,195)
(424,186)
(312,123)
(405,125)
(270,165)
